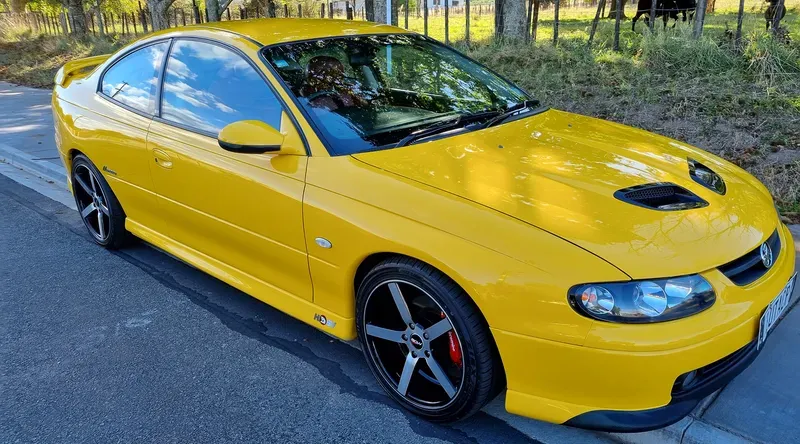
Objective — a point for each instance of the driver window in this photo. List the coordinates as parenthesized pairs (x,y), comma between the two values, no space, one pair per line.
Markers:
(207,86)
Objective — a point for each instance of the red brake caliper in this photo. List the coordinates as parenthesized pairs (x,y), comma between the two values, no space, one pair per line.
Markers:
(455,349)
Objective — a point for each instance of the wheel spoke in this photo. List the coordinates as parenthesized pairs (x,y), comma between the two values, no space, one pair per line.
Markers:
(88,210)
(83,185)
(405,377)
(400,302)
(438,329)
(92,180)
(441,376)
(385,333)
(103,208)
(100,225)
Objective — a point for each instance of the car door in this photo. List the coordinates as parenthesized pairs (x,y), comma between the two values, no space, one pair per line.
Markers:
(243,210)
(114,133)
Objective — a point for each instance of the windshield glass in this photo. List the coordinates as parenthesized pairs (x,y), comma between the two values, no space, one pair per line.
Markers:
(370,92)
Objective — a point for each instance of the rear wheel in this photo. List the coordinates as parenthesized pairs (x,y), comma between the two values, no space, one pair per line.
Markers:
(425,341)
(98,206)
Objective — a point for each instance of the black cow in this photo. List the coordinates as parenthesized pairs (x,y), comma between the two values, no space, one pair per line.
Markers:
(668,9)
(769,14)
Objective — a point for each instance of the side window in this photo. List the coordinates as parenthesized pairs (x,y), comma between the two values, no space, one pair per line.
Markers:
(133,80)
(207,87)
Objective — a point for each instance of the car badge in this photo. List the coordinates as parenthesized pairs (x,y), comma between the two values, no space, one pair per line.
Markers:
(766,255)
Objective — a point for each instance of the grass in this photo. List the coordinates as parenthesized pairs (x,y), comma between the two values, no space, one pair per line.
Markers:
(740,103)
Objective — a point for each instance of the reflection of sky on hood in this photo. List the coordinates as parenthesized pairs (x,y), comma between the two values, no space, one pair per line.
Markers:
(207,87)
(133,81)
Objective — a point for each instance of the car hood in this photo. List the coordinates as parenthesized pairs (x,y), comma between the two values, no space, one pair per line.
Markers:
(559,171)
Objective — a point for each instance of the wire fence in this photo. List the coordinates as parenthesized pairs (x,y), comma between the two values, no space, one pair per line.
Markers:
(446,20)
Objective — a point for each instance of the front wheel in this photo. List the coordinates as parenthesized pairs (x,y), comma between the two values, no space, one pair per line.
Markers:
(425,341)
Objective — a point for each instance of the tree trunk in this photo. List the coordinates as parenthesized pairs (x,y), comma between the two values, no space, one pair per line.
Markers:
(739,24)
(369,10)
(158,13)
(75,9)
(212,6)
(100,22)
(379,11)
(509,19)
(618,13)
(18,5)
(613,12)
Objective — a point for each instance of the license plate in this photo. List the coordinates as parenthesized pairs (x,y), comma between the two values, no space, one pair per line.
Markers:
(774,311)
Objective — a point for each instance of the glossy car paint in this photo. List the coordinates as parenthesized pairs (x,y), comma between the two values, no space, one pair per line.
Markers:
(516,214)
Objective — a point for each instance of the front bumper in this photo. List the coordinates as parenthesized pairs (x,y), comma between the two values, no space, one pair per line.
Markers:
(628,384)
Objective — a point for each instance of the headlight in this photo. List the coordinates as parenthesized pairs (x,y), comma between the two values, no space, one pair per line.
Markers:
(654,300)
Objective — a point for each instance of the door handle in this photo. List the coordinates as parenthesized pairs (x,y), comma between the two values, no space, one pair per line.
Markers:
(162,159)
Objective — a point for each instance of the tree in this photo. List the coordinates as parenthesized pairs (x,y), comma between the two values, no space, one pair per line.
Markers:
(158,13)
(17,5)
(77,16)
(510,19)
(216,8)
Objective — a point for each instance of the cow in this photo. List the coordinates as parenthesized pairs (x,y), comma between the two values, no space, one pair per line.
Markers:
(687,7)
(668,9)
(769,14)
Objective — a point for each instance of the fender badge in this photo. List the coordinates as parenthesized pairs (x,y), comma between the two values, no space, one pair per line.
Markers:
(324,320)
(109,170)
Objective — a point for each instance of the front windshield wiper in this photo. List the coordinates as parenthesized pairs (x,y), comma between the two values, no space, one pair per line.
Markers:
(462,120)
(511,111)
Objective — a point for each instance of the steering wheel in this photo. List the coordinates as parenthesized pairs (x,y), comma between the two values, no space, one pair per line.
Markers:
(333,95)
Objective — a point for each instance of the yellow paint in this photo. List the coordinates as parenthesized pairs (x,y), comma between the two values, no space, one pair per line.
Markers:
(516,214)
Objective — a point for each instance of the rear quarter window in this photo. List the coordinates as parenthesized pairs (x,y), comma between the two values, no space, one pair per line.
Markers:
(133,80)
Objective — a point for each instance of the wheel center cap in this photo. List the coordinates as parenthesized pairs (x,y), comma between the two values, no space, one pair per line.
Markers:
(416,341)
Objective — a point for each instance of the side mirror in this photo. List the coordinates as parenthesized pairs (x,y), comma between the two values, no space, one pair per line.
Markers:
(251,137)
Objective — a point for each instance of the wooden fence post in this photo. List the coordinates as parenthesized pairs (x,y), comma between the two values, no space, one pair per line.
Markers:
(600,7)
(466,19)
(555,22)
(300,10)
(699,18)
(425,16)
(446,22)
(616,24)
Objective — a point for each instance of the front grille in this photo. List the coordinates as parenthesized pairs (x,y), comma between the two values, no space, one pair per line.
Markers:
(704,378)
(750,267)
(662,196)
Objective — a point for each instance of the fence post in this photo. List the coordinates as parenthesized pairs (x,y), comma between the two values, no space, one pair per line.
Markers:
(466,18)
(776,17)
(425,16)
(300,10)
(600,7)
(699,18)
(322,10)
(528,20)
(652,17)
(555,22)
(616,24)
(446,22)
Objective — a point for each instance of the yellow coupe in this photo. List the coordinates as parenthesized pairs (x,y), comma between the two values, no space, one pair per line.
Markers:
(378,185)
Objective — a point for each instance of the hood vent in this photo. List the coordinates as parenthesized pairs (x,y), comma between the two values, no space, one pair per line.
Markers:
(662,196)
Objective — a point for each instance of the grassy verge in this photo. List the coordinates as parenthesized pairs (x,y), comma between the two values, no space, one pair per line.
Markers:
(743,104)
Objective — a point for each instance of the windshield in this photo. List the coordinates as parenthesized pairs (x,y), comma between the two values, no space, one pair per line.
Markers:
(372,92)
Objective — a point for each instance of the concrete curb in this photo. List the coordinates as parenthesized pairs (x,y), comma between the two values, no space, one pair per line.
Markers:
(43,168)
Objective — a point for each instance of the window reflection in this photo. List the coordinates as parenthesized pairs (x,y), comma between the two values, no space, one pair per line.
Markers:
(206,87)
(367,92)
(133,80)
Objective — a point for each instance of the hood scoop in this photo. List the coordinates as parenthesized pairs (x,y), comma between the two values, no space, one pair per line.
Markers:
(662,196)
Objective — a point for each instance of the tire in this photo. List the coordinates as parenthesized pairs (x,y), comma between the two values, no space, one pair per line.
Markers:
(389,343)
(90,188)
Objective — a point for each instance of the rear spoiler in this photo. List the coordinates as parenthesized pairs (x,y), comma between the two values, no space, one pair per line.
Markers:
(79,68)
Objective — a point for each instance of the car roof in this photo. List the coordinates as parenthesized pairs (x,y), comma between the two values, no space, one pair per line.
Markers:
(283,30)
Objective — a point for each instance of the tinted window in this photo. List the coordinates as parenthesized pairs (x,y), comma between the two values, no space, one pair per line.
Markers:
(371,92)
(134,79)
(207,87)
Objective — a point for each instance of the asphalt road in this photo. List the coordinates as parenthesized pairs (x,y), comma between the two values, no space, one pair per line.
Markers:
(99,346)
